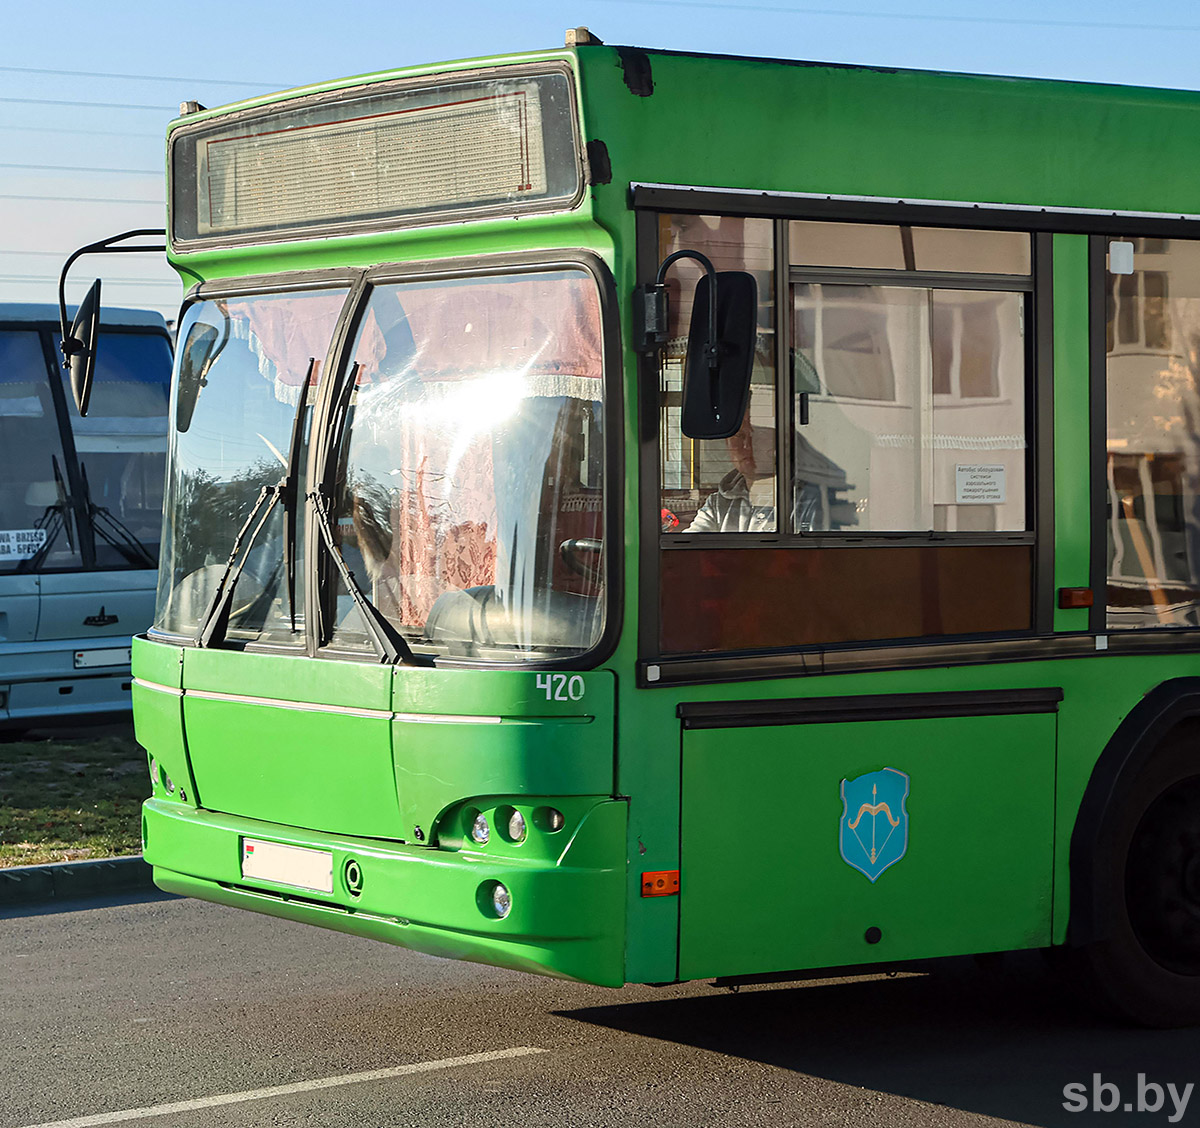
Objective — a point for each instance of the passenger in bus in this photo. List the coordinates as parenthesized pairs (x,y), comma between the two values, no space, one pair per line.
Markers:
(744,500)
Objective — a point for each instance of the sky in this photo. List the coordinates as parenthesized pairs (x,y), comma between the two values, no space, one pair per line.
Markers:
(87,88)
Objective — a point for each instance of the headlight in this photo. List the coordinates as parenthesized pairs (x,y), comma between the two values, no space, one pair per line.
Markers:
(480,831)
(516,826)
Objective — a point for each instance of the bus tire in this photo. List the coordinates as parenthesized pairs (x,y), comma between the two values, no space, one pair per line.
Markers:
(1144,965)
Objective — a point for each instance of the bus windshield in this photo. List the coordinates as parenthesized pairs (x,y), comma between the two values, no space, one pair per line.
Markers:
(464,483)
(469,480)
(82,493)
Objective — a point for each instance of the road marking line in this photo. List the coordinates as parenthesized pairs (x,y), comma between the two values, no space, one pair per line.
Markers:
(284,1090)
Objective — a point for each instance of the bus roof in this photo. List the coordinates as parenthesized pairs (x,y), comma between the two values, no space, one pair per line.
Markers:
(109,315)
(446,67)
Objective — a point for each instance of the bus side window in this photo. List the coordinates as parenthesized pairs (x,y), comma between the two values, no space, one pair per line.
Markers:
(906,421)
(719,485)
(1153,398)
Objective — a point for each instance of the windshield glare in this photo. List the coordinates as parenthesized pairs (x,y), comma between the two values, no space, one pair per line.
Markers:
(470,476)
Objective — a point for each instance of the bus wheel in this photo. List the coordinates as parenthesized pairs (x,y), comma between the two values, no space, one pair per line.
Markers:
(1147,966)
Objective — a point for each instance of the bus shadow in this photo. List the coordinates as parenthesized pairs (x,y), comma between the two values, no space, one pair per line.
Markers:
(1002,1043)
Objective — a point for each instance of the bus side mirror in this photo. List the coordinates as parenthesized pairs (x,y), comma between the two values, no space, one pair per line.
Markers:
(716,370)
(79,347)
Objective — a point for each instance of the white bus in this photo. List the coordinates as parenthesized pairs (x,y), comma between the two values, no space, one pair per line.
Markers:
(80,513)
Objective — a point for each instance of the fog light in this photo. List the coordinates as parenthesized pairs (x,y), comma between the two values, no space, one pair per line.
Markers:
(480,831)
(516,826)
(501,900)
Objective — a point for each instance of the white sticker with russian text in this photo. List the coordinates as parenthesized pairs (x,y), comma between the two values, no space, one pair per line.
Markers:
(979,484)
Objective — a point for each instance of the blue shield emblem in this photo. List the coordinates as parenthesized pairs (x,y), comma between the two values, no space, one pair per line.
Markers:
(874,829)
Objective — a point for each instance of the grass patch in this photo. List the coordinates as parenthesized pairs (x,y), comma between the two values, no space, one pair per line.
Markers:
(66,799)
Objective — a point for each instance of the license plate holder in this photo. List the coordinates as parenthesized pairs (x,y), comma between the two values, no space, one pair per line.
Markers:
(298,867)
(109,656)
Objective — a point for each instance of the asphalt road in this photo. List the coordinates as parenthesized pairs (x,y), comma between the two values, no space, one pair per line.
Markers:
(114,1007)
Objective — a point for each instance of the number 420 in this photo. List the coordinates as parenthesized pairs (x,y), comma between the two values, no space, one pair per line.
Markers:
(560,687)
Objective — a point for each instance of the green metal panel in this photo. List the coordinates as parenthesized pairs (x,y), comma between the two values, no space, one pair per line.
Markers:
(764,884)
(504,734)
(158,715)
(156,662)
(811,127)
(292,741)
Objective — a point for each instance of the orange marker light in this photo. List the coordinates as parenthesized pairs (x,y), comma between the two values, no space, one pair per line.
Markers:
(660,883)
(1072,598)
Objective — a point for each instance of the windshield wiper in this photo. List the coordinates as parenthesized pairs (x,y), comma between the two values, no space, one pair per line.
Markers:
(216,619)
(392,645)
(122,539)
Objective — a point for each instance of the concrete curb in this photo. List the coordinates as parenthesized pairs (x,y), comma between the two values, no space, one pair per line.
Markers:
(72,881)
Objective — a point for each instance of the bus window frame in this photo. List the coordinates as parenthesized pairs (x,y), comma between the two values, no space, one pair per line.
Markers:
(389,223)
(658,668)
(361,282)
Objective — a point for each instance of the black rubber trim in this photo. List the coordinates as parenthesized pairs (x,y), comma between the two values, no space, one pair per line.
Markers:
(779,204)
(871,707)
(917,655)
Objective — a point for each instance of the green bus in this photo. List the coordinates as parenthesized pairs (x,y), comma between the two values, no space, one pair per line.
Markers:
(641,516)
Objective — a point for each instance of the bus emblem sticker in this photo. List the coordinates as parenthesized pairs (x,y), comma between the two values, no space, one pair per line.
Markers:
(874,828)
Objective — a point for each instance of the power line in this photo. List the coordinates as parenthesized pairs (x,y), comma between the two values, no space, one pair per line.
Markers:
(84,168)
(107,281)
(910,17)
(57,255)
(162,107)
(143,77)
(78,199)
(89,132)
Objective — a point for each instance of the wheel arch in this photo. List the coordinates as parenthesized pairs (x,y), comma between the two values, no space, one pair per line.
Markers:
(1137,739)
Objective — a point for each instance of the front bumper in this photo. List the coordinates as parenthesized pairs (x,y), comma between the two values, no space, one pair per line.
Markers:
(567,917)
(43,682)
